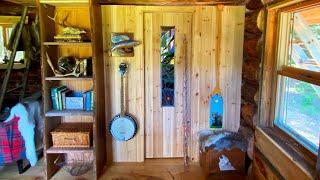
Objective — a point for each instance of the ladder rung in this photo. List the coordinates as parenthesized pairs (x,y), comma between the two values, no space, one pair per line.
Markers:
(13,89)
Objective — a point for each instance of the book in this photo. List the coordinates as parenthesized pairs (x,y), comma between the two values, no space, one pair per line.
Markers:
(89,66)
(85,67)
(75,102)
(60,97)
(87,101)
(64,94)
(55,97)
(82,67)
(92,99)
(53,101)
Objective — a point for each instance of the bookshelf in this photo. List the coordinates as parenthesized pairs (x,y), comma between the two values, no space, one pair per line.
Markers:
(54,150)
(55,113)
(67,43)
(68,78)
(86,16)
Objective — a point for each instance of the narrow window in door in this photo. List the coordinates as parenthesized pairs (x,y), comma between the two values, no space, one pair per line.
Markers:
(167,57)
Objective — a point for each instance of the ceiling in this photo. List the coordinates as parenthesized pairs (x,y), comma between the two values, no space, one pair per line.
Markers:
(23,2)
(14,7)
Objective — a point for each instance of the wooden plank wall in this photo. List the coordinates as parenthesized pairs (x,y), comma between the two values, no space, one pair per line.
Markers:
(130,19)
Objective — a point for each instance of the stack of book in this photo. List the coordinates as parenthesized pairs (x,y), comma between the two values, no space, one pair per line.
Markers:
(88,100)
(85,66)
(65,99)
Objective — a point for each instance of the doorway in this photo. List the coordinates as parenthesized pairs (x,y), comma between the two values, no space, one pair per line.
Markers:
(167,38)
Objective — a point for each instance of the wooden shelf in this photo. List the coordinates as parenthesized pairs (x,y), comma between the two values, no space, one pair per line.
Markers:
(55,150)
(54,113)
(67,43)
(69,78)
(74,3)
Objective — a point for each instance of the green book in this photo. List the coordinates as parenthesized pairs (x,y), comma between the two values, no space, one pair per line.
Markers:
(53,99)
(56,90)
(92,100)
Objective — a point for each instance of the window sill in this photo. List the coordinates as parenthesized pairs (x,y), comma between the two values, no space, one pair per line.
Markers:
(288,160)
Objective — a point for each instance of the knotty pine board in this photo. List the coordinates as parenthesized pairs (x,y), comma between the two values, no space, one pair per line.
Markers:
(130,19)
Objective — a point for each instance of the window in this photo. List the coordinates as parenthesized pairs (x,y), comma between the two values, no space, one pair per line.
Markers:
(298,90)
(5,32)
(167,50)
(1,45)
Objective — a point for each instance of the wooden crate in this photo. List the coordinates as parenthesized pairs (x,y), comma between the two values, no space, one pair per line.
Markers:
(72,135)
(209,161)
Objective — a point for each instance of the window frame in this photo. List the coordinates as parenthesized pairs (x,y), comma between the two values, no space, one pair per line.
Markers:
(274,66)
(285,29)
(8,22)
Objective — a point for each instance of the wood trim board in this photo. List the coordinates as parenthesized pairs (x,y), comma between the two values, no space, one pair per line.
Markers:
(287,162)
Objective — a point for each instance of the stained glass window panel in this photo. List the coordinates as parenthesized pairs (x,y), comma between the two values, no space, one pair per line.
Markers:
(167,50)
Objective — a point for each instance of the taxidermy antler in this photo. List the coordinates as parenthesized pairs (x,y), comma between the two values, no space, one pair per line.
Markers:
(63,23)
(67,29)
(59,74)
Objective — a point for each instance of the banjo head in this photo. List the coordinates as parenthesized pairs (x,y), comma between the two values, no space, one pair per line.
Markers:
(123,128)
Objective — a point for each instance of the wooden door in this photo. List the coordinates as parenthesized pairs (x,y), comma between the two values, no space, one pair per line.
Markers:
(164,111)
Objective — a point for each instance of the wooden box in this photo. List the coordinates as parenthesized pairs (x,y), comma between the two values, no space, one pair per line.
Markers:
(72,135)
(209,161)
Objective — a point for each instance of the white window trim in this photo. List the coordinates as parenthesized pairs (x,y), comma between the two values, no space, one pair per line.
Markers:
(282,54)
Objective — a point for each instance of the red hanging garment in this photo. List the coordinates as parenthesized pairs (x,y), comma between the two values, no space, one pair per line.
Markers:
(12,146)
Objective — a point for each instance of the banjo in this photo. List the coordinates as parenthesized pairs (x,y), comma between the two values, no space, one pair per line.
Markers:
(123,126)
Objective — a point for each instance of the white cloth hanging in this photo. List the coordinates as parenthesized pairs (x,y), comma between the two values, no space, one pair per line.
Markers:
(26,129)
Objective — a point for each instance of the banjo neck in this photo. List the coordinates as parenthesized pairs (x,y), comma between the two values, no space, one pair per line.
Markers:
(122,96)
(123,69)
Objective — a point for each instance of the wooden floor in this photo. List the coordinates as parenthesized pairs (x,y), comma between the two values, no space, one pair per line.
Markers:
(160,169)
(10,171)
(157,169)
(151,169)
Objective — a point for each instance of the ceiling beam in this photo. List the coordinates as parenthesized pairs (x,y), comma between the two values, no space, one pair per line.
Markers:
(23,2)
(10,9)
(170,2)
